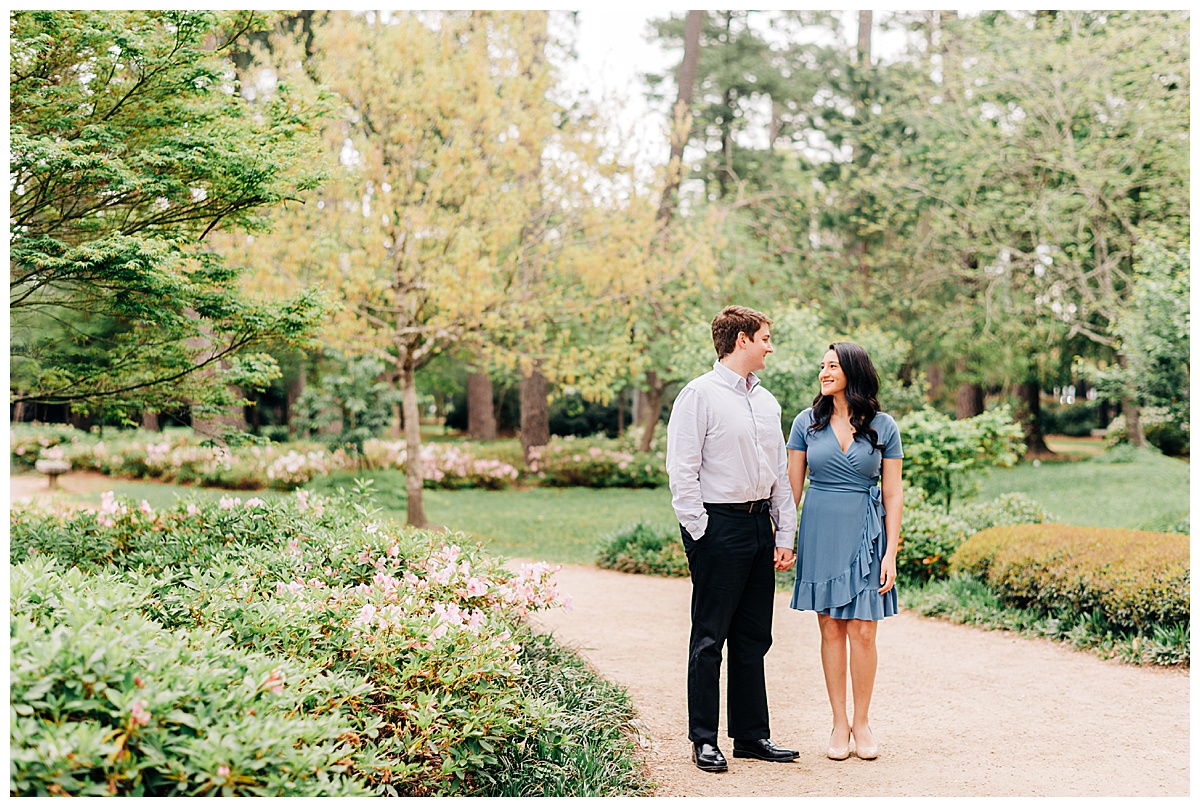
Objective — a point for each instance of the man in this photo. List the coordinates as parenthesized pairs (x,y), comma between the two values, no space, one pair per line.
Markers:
(729,486)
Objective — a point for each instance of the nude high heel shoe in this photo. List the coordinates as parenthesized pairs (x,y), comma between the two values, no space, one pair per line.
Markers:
(838,753)
(865,751)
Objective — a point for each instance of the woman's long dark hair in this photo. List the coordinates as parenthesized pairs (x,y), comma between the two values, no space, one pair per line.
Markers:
(862,385)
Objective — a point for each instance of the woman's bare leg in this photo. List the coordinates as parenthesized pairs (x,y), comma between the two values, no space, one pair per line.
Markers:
(833,662)
(863,662)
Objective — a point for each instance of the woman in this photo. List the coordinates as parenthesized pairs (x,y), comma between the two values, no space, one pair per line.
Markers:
(849,530)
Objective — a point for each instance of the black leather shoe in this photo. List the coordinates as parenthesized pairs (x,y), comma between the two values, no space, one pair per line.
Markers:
(763,749)
(709,758)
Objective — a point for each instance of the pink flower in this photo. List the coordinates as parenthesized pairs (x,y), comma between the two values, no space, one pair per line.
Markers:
(302,499)
(228,503)
(223,771)
(192,509)
(146,508)
(393,550)
(256,502)
(139,714)
(476,587)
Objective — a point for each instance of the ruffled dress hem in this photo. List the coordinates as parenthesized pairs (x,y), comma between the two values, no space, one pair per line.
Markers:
(850,595)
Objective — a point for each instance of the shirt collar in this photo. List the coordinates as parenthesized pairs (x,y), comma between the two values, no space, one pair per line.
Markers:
(733,379)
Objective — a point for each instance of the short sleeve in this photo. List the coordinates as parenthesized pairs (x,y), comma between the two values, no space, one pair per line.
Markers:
(890,436)
(798,440)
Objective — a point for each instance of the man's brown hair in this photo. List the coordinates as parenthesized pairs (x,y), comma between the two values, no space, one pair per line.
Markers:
(732,320)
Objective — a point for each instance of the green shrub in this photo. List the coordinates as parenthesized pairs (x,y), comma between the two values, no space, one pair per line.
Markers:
(1134,580)
(929,536)
(1004,510)
(642,548)
(942,455)
(1169,433)
(1072,420)
(401,657)
(108,702)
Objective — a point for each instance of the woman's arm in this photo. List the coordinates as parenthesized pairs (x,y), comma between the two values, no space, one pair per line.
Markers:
(797,467)
(893,504)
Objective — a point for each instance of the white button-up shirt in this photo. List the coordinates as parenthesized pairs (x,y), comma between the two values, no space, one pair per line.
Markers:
(725,444)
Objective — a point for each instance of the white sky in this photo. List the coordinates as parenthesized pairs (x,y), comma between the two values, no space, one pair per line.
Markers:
(613,53)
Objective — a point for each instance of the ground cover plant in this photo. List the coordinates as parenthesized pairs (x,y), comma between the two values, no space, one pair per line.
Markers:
(969,601)
(296,647)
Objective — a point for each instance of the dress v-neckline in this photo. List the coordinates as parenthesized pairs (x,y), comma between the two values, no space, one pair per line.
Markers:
(845,450)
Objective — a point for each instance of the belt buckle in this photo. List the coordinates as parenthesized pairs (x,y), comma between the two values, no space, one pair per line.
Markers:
(758,507)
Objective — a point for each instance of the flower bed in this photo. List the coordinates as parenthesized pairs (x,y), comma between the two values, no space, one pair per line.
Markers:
(292,648)
(1134,580)
(596,462)
(445,465)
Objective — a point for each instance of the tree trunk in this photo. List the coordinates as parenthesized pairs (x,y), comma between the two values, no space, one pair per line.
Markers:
(681,126)
(295,389)
(1031,419)
(949,55)
(864,38)
(151,422)
(535,412)
(933,374)
(620,413)
(651,407)
(481,414)
(414,474)
(1132,413)
(968,401)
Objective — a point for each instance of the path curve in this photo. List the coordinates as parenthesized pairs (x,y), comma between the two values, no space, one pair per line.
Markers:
(958,711)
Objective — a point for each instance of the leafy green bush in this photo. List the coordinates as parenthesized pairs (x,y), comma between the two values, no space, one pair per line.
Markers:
(1134,580)
(642,548)
(399,656)
(941,455)
(929,536)
(596,462)
(1072,420)
(106,701)
(1169,433)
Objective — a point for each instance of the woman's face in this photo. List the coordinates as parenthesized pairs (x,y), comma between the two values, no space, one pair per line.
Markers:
(832,378)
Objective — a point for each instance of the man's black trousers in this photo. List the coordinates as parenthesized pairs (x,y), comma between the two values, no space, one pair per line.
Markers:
(733,593)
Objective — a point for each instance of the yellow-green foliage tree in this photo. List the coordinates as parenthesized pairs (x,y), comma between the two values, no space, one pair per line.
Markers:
(426,232)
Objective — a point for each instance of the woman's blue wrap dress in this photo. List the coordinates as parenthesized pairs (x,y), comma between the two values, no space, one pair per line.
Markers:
(842,540)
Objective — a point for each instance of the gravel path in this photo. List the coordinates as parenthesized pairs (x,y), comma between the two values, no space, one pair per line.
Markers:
(957,711)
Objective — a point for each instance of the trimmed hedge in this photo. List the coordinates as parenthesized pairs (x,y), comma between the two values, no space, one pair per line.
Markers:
(1134,579)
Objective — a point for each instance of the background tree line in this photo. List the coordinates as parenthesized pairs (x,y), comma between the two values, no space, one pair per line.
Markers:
(217,210)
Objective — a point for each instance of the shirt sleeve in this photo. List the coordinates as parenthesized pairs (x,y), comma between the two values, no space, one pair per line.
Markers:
(798,440)
(685,443)
(783,507)
(892,450)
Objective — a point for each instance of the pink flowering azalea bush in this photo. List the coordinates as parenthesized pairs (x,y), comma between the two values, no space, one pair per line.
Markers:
(176,456)
(445,465)
(289,648)
(596,462)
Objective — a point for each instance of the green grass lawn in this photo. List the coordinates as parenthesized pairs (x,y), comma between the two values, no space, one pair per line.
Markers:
(1139,494)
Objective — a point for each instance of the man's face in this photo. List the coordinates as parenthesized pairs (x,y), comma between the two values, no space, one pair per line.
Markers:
(757,347)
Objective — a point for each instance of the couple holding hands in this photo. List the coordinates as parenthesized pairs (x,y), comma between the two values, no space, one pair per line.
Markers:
(735,490)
